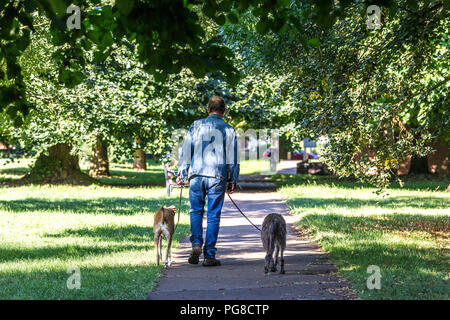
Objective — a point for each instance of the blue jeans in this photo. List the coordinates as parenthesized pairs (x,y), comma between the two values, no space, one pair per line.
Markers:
(199,188)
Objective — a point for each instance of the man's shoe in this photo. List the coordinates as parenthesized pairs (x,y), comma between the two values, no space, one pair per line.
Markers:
(211,262)
(195,254)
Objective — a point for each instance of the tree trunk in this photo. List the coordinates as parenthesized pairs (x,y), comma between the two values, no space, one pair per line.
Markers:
(99,159)
(438,160)
(404,167)
(419,165)
(139,162)
(58,167)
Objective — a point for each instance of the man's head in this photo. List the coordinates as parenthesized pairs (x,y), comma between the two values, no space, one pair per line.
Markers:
(216,105)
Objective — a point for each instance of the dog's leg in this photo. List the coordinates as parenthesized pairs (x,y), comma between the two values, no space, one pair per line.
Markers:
(160,246)
(282,261)
(269,254)
(157,237)
(274,266)
(169,240)
(169,253)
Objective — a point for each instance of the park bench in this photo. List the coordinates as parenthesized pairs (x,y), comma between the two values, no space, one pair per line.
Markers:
(170,184)
(306,167)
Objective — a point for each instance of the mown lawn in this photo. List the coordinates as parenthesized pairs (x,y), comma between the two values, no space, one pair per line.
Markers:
(121,174)
(14,170)
(405,232)
(255,166)
(105,231)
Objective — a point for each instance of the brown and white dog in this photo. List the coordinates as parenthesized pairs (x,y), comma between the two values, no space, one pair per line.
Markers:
(164,225)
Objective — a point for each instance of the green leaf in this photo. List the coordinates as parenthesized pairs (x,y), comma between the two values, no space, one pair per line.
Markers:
(125,6)
(314,42)
(220,19)
(30,6)
(233,18)
(262,27)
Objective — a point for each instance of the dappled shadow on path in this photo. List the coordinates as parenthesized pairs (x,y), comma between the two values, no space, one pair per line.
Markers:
(411,182)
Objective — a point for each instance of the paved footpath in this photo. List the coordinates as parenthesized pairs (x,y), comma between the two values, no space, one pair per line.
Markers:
(309,272)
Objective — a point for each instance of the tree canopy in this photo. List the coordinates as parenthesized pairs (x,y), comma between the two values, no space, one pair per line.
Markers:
(311,68)
(383,91)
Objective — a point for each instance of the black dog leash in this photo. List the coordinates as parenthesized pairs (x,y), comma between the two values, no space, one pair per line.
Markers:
(179,208)
(243,213)
(234,203)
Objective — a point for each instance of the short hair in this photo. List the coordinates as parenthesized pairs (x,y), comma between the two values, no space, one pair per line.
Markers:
(216,104)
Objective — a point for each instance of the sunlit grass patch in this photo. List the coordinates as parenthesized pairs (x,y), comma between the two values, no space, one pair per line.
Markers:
(105,231)
(14,169)
(125,175)
(403,231)
(255,166)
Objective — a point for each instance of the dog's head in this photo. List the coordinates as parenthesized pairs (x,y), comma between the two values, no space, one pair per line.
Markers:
(171,210)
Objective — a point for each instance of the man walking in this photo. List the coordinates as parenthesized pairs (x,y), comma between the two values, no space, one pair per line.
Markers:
(209,160)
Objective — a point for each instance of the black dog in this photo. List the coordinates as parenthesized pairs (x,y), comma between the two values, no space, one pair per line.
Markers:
(273,235)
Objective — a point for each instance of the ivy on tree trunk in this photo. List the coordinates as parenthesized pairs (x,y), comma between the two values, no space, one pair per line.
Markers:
(59,166)
(99,159)
(139,162)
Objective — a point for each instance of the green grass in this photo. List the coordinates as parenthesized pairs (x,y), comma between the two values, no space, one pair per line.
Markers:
(105,231)
(125,175)
(14,170)
(254,166)
(122,174)
(405,232)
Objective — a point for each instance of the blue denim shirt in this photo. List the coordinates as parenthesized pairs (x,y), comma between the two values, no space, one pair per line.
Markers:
(210,149)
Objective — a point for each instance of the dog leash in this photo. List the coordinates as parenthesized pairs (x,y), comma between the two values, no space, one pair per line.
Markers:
(234,203)
(179,208)
(243,213)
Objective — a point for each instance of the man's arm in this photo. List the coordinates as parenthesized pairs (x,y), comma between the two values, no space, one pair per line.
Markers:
(232,160)
(185,159)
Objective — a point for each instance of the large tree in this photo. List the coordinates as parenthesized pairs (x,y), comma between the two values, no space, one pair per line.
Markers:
(312,66)
(167,36)
(117,104)
(381,92)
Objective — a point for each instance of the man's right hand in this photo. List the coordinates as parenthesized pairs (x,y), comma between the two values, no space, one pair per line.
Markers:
(230,187)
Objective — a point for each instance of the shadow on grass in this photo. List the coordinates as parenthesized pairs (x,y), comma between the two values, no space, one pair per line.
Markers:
(134,233)
(436,225)
(388,203)
(141,238)
(64,252)
(121,175)
(102,282)
(127,281)
(411,182)
(116,206)
(408,269)
(14,171)
(151,177)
